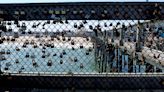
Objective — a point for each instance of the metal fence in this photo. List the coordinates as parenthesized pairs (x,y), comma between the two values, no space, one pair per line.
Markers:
(82,45)
(75,39)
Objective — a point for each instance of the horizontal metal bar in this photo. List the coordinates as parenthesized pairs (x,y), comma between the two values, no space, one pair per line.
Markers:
(31,11)
(86,74)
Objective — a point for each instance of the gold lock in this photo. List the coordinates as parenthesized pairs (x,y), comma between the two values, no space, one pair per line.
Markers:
(22,13)
(16,12)
(57,12)
(51,12)
(63,12)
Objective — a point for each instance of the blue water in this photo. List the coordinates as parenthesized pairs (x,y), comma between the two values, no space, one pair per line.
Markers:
(68,65)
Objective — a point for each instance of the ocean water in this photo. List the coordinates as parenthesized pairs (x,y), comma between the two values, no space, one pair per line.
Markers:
(88,61)
(67,66)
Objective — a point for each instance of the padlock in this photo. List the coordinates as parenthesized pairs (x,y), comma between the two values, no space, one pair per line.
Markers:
(35,46)
(2,51)
(75,59)
(43,56)
(54,54)
(72,42)
(16,22)
(84,21)
(87,53)
(93,12)
(13,39)
(16,35)
(29,32)
(111,24)
(81,46)
(81,65)
(73,48)
(24,26)
(61,61)
(75,25)
(6,68)
(9,23)
(69,38)
(10,29)
(16,61)
(34,25)
(64,52)
(8,52)
(81,25)
(66,21)
(52,45)
(49,63)
(34,63)
(48,21)
(3,58)
(105,25)
(24,45)
(90,27)
(27,55)
(17,49)
(61,55)
(90,49)
(22,68)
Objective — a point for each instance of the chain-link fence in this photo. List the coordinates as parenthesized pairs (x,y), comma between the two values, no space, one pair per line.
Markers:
(82,39)
(82,45)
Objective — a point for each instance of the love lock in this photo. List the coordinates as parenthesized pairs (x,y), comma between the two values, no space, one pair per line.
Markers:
(24,26)
(34,25)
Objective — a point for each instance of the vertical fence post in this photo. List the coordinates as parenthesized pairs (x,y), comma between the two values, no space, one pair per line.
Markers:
(139,37)
(122,35)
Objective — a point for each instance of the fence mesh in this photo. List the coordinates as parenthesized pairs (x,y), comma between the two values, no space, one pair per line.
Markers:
(82,45)
(81,39)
